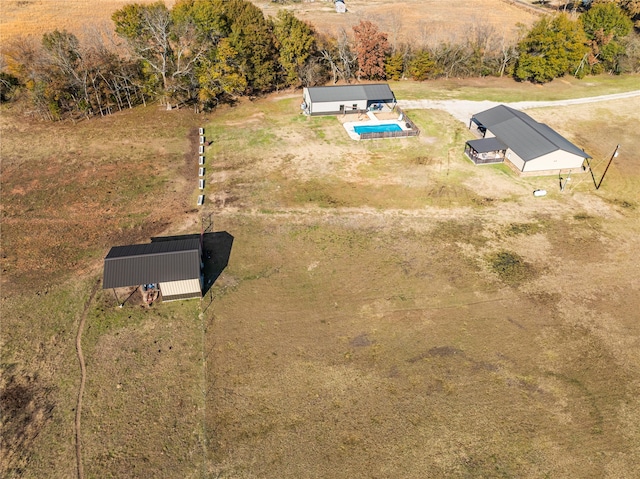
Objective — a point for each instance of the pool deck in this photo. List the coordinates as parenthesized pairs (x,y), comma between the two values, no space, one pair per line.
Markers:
(373,120)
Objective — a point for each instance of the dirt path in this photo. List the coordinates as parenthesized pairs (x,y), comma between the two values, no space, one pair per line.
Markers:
(83,377)
(463,110)
(421,217)
(528,6)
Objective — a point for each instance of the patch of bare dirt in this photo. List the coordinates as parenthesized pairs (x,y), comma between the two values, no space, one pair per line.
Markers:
(25,411)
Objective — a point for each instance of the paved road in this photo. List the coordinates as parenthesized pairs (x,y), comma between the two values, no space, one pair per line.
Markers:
(463,110)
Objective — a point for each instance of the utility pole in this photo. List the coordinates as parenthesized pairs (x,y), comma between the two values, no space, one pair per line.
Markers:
(615,153)
(566,180)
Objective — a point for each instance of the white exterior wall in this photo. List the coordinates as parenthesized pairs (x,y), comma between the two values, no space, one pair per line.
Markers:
(175,288)
(334,106)
(488,134)
(557,160)
(330,107)
(511,156)
(305,97)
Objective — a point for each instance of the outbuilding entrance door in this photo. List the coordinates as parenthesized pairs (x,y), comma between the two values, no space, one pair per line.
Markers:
(342,109)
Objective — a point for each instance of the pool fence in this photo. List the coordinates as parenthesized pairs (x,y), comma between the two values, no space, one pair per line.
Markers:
(411,131)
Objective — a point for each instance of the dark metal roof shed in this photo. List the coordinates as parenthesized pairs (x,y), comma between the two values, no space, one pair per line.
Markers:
(156,262)
(370,92)
(525,136)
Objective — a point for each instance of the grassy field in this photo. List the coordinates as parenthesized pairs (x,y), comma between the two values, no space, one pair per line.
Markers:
(506,90)
(389,309)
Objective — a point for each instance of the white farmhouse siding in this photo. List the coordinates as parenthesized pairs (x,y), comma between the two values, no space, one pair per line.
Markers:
(532,147)
(557,160)
(515,160)
(174,290)
(333,100)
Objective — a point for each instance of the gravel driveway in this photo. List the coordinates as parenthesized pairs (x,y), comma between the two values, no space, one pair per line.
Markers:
(463,110)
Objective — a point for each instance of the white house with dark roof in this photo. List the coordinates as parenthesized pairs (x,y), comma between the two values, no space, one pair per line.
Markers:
(340,99)
(173,265)
(527,146)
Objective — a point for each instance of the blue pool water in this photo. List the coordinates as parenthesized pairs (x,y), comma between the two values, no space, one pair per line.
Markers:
(377,128)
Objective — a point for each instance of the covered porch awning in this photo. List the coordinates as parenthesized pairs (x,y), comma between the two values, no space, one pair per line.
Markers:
(485,145)
(485,150)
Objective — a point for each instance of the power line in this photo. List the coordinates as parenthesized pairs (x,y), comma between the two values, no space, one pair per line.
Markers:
(615,153)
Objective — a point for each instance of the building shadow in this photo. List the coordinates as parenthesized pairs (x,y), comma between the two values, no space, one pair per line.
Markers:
(216,250)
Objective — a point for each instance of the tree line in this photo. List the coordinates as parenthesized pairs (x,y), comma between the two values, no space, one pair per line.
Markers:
(202,53)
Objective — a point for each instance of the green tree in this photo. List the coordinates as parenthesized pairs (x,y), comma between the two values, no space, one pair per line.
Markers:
(209,17)
(221,78)
(605,24)
(421,67)
(552,48)
(63,77)
(171,44)
(253,39)
(631,8)
(371,47)
(296,44)
(66,76)
(199,27)
(147,30)
(394,66)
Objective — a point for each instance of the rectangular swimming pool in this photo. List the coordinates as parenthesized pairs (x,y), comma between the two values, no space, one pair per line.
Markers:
(359,129)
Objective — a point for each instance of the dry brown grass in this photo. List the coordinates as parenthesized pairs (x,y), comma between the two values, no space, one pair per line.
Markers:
(422,21)
(414,21)
(35,17)
(360,329)
(585,129)
(371,341)
(381,347)
(100,189)
(69,192)
(368,338)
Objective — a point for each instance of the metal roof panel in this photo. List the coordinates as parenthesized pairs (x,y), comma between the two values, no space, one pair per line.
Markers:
(132,265)
(525,136)
(484,145)
(372,92)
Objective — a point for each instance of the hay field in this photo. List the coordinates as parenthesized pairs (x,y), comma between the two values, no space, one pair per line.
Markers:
(415,21)
(410,21)
(389,309)
(35,17)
